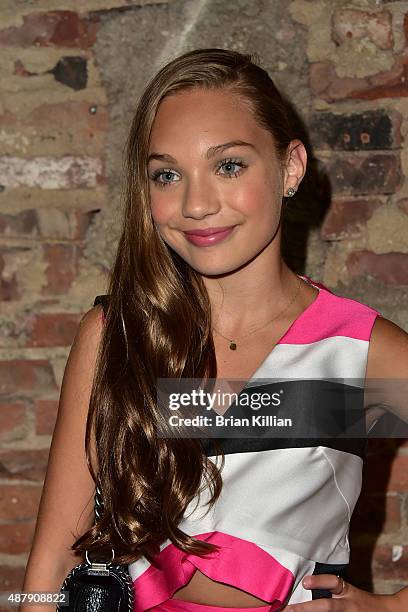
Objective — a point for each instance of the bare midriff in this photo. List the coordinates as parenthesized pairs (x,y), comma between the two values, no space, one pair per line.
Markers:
(203,590)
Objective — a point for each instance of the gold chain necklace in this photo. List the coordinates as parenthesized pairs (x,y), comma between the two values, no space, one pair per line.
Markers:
(233,344)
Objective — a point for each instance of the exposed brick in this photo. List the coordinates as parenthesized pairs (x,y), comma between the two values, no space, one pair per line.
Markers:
(79,125)
(19,502)
(16,538)
(406,27)
(361,174)
(21,70)
(403,205)
(8,118)
(83,221)
(24,223)
(47,223)
(8,608)
(368,130)
(18,376)
(87,118)
(74,127)
(54,28)
(71,71)
(12,421)
(11,579)
(354,24)
(380,557)
(45,416)
(392,83)
(9,287)
(64,199)
(51,173)
(52,329)
(384,564)
(62,267)
(377,514)
(23,464)
(322,75)
(389,268)
(346,218)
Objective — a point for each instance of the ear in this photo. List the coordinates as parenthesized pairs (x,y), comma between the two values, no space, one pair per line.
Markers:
(294,167)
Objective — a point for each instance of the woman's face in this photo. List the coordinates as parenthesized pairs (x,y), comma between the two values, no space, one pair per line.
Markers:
(194,186)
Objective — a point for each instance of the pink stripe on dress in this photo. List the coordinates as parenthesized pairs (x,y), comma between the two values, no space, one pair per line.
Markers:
(176,605)
(239,563)
(331,315)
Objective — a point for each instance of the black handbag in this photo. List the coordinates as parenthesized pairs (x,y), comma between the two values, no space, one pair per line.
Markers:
(97,586)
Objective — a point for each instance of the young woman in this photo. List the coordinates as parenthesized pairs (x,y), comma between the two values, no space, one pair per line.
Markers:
(199,289)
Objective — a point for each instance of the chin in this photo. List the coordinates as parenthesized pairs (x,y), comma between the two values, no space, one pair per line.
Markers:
(214,269)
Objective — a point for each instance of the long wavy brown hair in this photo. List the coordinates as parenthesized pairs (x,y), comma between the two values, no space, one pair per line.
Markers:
(158,325)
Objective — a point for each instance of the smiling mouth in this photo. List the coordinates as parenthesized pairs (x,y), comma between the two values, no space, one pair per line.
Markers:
(209,236)
(208,231)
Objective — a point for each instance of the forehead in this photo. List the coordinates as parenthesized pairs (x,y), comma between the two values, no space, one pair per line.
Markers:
(198,118)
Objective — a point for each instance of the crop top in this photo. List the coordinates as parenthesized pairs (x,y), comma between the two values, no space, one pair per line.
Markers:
(286,503)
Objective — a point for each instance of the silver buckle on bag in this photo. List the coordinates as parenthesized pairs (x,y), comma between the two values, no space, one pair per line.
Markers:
(98,568)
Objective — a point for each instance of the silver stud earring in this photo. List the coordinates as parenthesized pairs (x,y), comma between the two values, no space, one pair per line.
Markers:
(291,192)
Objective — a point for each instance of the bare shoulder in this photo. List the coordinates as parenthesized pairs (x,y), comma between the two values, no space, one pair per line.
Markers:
(91,324)
(87,337)
(388,351)
(388,361)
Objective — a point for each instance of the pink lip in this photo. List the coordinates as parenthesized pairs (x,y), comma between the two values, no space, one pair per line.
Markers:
(207,231)
(209,236)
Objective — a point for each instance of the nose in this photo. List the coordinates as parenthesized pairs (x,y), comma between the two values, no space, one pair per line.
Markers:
(200,200)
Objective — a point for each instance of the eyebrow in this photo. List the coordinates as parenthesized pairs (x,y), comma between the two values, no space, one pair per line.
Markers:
(211,152)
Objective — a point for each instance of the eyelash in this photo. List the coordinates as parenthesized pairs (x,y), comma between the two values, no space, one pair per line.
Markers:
(228,160)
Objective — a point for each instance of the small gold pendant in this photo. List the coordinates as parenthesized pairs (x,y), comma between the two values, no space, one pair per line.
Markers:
(233,346)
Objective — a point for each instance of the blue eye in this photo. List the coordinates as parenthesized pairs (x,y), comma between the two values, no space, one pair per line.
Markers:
(225,162)
(158,173)
(232,162)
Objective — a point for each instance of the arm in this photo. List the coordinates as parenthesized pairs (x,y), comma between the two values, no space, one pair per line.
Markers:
(387,386)
(66,506)
(388,361)
(387,368)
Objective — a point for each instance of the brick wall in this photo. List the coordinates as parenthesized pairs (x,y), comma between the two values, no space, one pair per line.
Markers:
(70,75)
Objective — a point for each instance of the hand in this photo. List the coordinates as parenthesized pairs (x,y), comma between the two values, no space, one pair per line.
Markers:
(345,597)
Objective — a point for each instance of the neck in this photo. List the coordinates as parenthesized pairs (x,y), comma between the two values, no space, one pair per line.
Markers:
(240,305)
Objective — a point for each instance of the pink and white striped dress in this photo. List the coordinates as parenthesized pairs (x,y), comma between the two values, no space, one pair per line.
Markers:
(286,503)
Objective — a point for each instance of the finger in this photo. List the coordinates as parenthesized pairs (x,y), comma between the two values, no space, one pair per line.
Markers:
(327,582)
(340,587)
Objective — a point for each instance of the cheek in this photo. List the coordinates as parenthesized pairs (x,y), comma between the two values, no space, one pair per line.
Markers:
(258,198)
(161,209)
